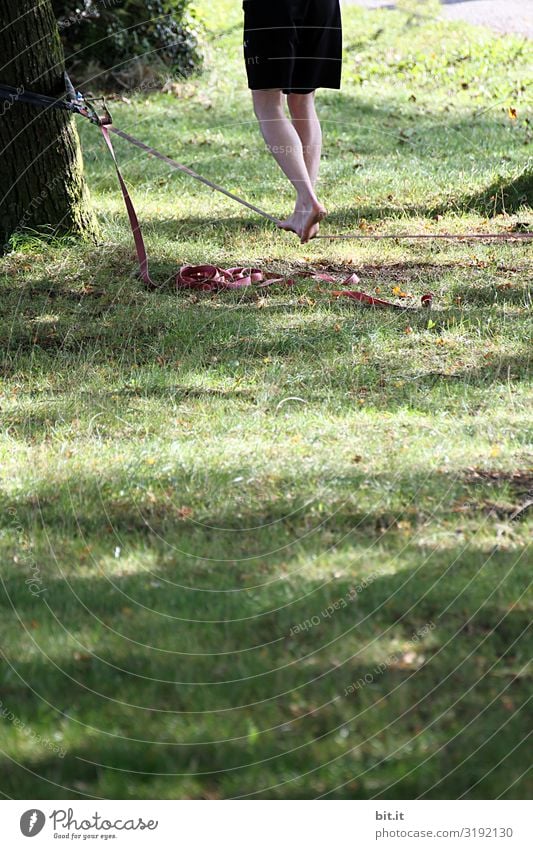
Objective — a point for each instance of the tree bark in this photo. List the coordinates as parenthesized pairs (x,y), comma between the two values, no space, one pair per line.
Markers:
(42,187)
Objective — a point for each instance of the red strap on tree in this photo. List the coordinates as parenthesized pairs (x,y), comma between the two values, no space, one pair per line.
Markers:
(140,247)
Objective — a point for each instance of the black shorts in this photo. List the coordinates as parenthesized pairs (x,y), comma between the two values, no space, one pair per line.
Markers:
(293,45)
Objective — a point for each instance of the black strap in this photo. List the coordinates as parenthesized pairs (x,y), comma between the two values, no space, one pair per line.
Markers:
(32,98)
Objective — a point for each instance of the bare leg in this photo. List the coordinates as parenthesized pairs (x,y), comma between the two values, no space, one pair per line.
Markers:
(307,125)
(284,143)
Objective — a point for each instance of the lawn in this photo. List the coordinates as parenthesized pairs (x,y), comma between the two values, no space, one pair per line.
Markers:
(270,544)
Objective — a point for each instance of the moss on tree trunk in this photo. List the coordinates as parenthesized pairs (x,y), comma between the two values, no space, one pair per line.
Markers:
(41,170)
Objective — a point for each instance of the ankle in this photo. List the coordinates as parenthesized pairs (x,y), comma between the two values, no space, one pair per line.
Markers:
(307,200)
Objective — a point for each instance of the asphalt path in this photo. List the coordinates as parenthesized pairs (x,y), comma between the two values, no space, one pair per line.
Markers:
(501,15)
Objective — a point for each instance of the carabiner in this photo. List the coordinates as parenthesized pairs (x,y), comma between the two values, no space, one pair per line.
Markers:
(99,115)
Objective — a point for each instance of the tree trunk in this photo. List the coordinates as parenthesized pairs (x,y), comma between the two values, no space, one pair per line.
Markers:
(41,169)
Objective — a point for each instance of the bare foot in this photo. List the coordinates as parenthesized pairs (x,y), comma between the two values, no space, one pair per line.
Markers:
(311,222)
(305,222)
(289,224)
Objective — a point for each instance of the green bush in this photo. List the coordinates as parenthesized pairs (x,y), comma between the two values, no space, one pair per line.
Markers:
(121,41)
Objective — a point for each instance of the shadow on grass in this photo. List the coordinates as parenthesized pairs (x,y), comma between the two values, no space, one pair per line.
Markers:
(461,705)
(441,751)
(176,672)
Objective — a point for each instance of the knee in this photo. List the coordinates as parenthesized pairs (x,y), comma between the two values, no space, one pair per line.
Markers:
(268,113)
(268,105)
(301,105)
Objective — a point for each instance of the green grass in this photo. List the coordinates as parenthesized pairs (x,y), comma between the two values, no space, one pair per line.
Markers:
(235,507)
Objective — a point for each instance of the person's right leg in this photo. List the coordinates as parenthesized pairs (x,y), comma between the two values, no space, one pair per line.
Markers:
(285,145)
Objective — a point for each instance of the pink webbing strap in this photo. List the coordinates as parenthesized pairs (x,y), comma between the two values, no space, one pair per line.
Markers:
(371,301)
(132,215)
(210,278)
